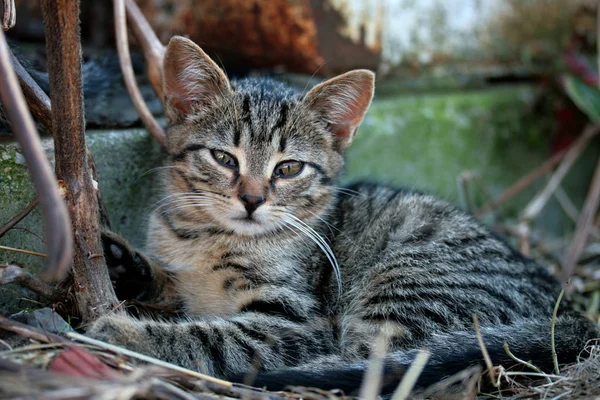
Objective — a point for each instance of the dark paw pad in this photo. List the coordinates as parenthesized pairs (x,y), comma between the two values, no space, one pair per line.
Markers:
(129,270)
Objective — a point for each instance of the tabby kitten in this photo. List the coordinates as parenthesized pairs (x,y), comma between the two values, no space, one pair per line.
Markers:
(279,270)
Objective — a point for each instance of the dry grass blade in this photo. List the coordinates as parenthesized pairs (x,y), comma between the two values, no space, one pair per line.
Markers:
(522,362)
(552,326)
(584,226)
(462,385)
(537,204)
(410,378)
(56,219)
(127,69)
(523,183)
(484,352)
(540,171)
(31,253)
(371,384)
(29,331)
(147,359)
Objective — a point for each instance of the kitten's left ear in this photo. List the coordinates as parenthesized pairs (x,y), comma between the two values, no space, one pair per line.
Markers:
(191,80)
(343,101)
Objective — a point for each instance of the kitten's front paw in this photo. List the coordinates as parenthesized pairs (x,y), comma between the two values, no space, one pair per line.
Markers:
(129,269)
(120,331)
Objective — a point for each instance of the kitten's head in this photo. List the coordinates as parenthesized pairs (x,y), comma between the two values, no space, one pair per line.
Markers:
(252,156)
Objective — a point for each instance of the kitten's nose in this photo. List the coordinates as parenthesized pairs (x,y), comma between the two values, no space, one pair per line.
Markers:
(251,202)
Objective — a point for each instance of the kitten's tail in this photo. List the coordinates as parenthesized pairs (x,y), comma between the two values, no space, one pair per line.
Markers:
(450,354)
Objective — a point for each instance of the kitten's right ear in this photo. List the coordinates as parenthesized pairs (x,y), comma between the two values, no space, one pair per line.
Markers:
(342,103)
(191,80)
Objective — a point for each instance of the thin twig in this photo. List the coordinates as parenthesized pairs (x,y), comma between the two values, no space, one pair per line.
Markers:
(17,218)
(31,348)
(552,343)
(522,183)
(523,362)
(584,226)
(127,69)
(484,352)
(31,253)
(37,100)
(19,276)
(537,204)
(410,378)
(465,200)
(536,374)
(8,346)
(566,204)
(56,219)
(524,237)
(29,331)
(20,228)
(371,384)
(537,173)
(148,359)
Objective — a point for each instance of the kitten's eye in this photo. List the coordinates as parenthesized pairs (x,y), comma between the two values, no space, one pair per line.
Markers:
(225,159)
(288,169)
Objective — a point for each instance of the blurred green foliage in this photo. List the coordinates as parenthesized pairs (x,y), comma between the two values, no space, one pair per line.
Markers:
(586,97)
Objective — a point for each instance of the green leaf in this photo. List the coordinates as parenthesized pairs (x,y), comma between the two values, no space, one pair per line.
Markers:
(587,98)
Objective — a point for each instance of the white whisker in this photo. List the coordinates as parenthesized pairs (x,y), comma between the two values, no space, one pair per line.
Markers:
(331,227)
(346,191)
(319,241)
(160,168)
(195,205)
(182,197)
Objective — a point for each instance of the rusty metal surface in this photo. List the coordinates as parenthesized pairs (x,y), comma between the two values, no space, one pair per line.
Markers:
(298,35)
(343,45)
(242,34)
(301,36)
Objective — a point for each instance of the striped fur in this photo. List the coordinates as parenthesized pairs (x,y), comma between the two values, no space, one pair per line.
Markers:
(300,287)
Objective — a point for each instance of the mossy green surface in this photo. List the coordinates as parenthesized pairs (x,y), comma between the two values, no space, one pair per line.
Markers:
(127,163)
(123,159)
(16,191)
(427,141)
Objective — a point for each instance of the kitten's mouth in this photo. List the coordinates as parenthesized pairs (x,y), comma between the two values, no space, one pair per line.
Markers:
(247,219)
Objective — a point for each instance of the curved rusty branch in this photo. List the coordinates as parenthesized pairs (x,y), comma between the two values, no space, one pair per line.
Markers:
(9,14)
(153,49)
(129,77)
(57,225)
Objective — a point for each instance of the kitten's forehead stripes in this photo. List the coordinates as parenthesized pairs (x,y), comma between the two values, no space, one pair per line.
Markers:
(237,134)
(282,143)
(283,113)
(247,115)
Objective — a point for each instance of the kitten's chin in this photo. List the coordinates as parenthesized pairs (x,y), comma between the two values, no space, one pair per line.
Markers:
(249,227)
